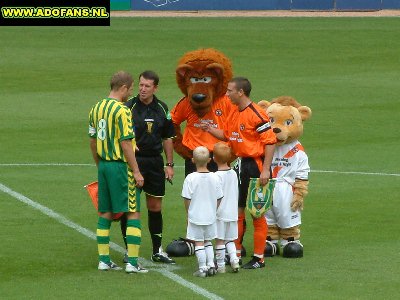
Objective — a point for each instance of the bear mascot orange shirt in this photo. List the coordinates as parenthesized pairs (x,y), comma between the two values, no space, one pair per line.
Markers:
(202,76)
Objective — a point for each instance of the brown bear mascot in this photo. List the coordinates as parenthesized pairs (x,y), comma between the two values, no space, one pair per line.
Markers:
(290,168)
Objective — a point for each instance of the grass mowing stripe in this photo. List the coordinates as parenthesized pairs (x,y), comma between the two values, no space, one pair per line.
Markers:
(93,165)
(86,232)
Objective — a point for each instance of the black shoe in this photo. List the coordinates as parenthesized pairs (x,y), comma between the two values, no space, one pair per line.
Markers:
(228,260)
(162,257)
(254,263)
(293,249)
(211,271)
(271,249)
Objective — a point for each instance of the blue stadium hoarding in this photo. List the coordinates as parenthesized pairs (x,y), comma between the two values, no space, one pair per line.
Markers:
(358,5)
(210,4)
(198,5)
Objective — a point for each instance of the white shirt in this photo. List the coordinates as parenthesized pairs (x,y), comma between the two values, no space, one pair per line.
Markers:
(295,166)
(203,190)
(288,164)
(228,208)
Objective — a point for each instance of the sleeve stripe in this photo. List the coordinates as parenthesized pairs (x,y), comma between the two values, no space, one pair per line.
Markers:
(263,127)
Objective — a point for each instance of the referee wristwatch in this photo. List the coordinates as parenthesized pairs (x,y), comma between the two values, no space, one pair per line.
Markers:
(170,165)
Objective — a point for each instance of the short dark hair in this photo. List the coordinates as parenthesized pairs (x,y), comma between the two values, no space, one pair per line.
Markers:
(242,83)
(119,79)
(150,75)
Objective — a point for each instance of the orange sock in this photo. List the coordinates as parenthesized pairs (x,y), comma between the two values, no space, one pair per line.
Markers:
(238,241)
(260,235)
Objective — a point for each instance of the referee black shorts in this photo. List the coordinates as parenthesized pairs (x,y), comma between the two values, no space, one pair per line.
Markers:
(152,170)
(248,169)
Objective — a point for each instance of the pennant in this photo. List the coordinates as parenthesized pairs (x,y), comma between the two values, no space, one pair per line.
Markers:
(259,198)
(93,190)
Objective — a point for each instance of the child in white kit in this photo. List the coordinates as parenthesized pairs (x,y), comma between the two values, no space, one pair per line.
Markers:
(227,213)
(202,193)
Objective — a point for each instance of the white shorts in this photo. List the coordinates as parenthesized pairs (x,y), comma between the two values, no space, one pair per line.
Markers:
(201,233)
(227,230)
(280,213)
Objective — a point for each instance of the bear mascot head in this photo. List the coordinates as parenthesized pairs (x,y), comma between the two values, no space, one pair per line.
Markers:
(287,118)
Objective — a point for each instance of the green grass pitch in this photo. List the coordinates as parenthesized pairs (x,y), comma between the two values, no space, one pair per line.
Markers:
(345,69)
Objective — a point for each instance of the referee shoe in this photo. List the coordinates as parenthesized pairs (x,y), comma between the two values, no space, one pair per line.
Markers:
(162,257)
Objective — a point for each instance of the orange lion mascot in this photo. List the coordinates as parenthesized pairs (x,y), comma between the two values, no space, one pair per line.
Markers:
(202,76)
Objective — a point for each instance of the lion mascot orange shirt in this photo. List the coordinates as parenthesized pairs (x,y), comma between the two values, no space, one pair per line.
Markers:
(202,76)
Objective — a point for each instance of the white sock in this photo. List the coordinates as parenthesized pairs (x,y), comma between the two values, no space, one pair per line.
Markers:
(231,249)
(220,255)
(209,254)
(201,257)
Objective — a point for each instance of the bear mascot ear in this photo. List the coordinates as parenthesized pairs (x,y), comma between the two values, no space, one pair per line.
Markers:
(305,112)
(264,104)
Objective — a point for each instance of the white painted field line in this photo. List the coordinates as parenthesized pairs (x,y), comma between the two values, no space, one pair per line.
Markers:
(177,166)
(356,173)
(165,271)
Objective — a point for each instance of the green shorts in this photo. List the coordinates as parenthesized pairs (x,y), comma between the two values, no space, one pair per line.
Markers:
(117,190)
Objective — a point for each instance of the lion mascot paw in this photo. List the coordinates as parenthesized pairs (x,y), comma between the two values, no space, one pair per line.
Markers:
(290,169)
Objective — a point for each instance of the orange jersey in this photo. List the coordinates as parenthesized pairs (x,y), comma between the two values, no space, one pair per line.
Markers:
(193,135)
(248,131)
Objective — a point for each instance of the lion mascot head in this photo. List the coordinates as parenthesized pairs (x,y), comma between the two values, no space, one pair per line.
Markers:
(202,76)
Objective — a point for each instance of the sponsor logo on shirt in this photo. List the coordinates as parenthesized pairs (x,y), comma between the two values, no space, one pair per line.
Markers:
(209,122)
(235,137)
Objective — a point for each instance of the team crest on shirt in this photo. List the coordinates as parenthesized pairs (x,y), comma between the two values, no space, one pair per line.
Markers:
(241,126)
(218,112)
(149,123)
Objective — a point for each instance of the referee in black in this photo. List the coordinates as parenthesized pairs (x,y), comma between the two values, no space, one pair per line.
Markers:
(154,132)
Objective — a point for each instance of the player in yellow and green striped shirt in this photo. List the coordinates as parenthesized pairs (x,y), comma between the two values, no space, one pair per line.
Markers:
(112,143)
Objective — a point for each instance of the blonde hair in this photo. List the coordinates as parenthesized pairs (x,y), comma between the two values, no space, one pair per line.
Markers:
(201,156)
(222,152)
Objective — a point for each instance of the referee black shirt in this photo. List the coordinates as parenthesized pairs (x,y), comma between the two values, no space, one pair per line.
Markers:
(152,124)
